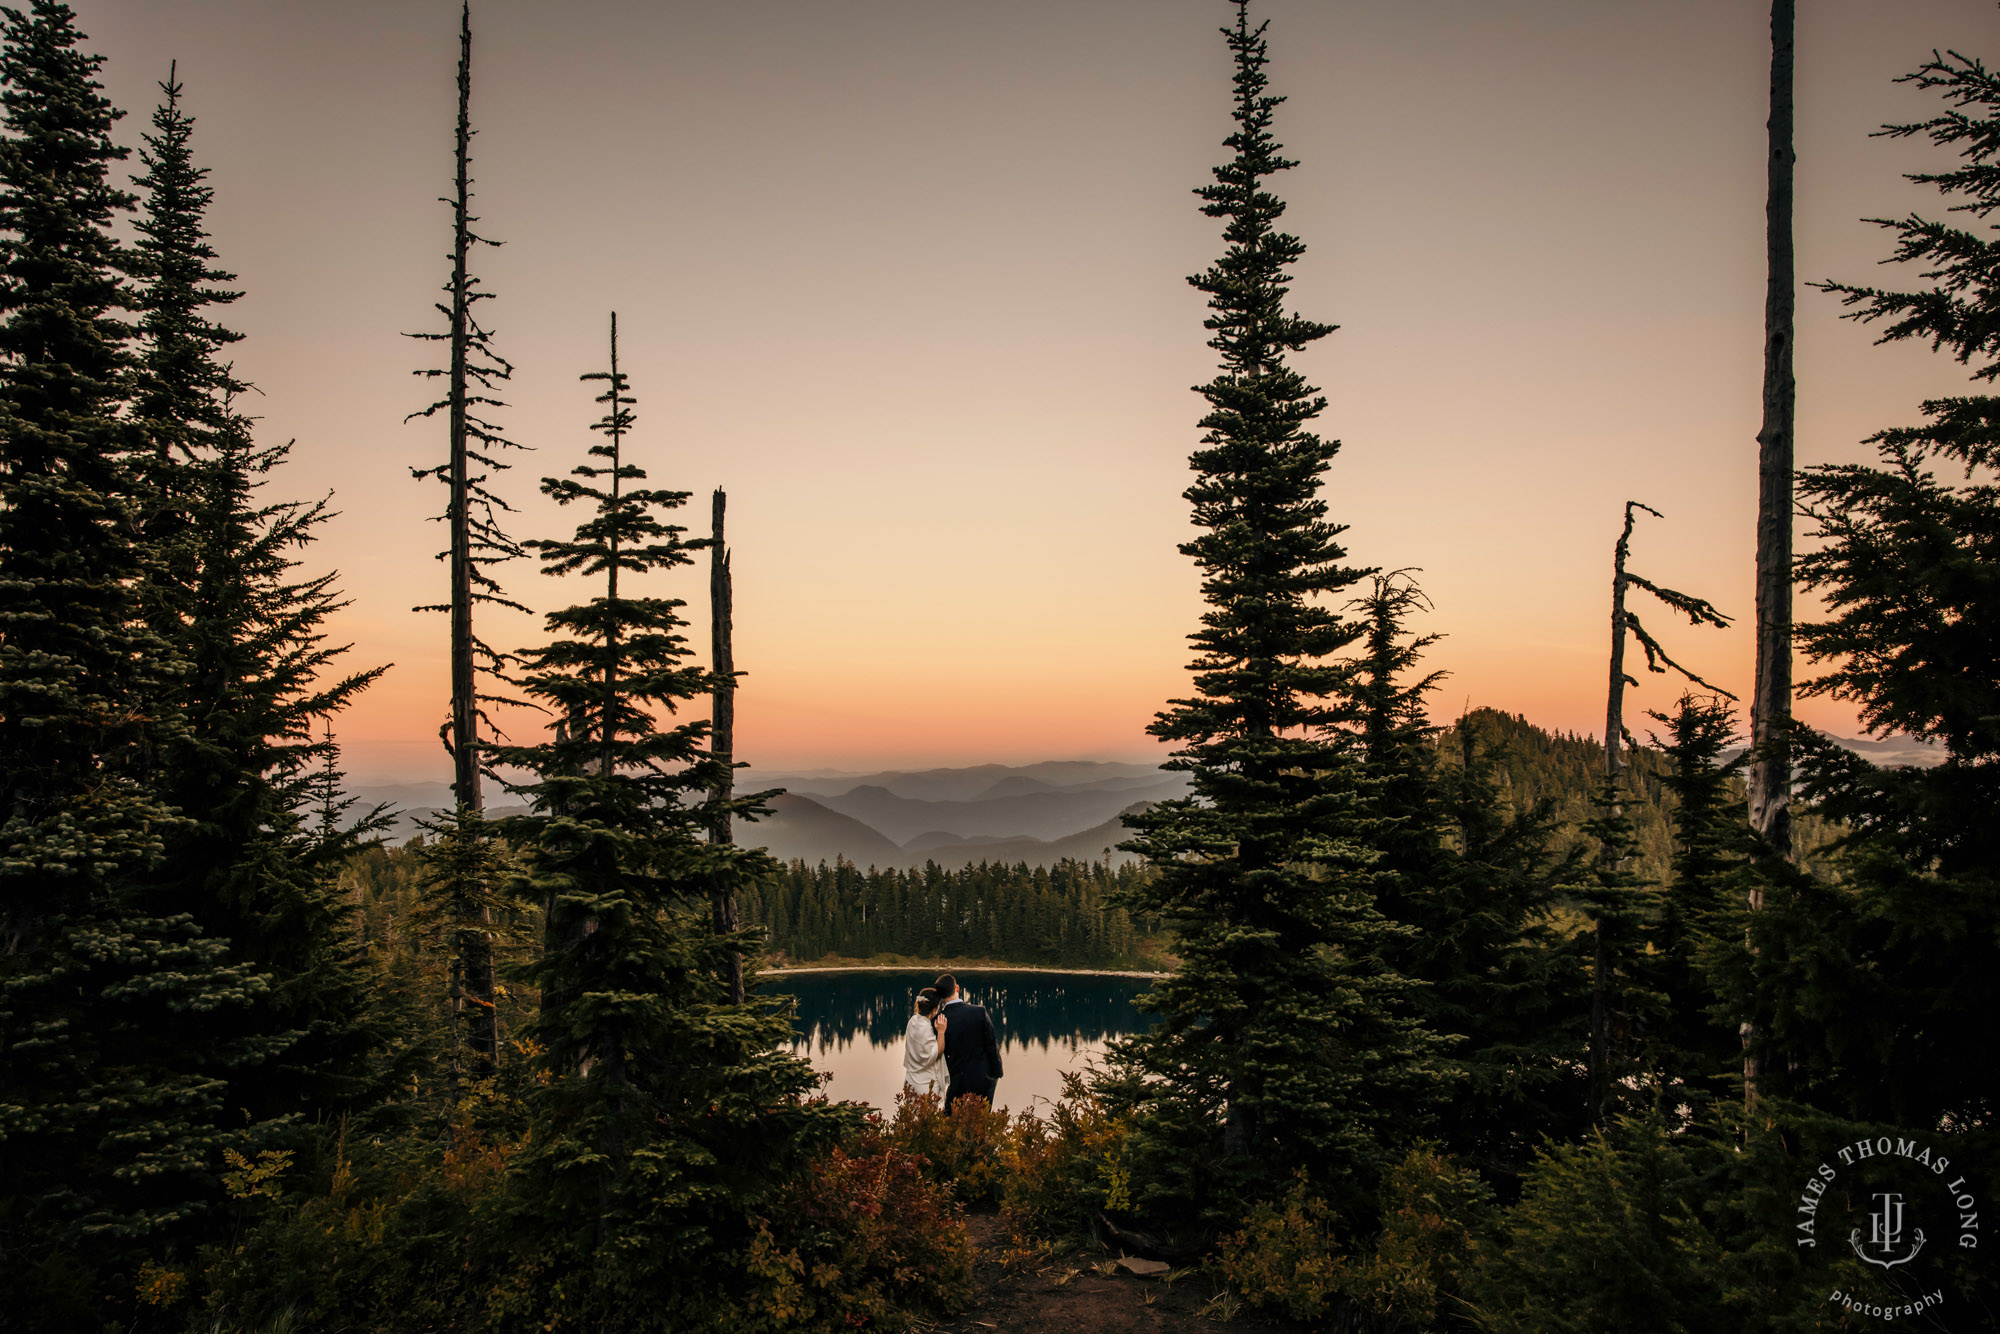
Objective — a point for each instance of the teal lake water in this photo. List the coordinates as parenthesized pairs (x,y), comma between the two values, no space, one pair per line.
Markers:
(851,1025)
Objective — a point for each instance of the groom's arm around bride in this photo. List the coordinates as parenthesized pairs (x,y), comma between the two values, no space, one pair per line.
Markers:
(971,1047)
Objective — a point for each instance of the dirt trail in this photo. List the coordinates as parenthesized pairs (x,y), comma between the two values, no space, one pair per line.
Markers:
(1084,1293)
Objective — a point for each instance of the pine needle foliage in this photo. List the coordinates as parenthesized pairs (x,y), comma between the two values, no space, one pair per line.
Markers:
(185,388)
(1609,1235)
(182,389)
(1895,961)
(116,1009)
(1693,1050)
(1618,901)
(1473,886)
(1283,1041)
(669,1114)
(463,912)
(1954,313)
(74,668)
(254,672)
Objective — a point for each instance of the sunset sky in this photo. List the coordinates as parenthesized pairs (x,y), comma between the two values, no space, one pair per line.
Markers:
(908,280)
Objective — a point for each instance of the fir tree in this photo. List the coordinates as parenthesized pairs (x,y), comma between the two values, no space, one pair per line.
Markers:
(254,671)
(1283,1041)
(1392,729)
(116,1011)
(246,860)
(1608,1235)
(669,1112)
(1695,1045)
(182,390)
(1473,885)
(477,541)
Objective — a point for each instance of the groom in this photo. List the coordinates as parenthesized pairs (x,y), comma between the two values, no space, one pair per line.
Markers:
(971,1051)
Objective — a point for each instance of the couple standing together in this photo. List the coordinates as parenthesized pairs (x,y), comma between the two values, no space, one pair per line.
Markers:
(950,1044)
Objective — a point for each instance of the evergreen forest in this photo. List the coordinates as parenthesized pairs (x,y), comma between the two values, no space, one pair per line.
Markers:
(1456,1024)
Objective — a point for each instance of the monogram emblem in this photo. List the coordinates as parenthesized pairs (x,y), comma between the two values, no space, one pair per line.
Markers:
(1885,1234)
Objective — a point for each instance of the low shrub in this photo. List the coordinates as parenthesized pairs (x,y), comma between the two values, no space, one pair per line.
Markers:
(964,1149)
(1062,1170)
(1608,1235)
(406,1234)
(1284,1257)
(864,1241)
(1436,1216)
(394,1235)
(1437,1221)
(1049,1174)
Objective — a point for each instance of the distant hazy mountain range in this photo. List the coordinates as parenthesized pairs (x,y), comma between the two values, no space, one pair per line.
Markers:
(1033,813)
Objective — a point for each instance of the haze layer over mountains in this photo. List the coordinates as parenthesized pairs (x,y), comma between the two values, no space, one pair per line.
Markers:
(1034,813)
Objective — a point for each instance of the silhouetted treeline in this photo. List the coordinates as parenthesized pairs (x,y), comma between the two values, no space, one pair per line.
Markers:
(1052,915)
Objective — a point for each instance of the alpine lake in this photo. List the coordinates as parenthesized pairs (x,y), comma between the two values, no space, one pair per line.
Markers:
(850,1023)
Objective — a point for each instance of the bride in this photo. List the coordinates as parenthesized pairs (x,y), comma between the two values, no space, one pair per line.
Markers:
(923,1046)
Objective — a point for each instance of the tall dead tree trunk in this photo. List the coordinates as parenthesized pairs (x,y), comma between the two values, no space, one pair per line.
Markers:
(723,731)
(1607,858)
(1771,699)
(1615,915)
(475,947)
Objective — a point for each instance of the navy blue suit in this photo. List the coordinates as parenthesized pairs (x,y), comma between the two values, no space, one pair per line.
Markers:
(971,1051)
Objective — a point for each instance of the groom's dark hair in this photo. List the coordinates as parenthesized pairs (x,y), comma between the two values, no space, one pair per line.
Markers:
(947,987)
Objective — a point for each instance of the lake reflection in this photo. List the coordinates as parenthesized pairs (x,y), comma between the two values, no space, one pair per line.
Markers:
(850,1025)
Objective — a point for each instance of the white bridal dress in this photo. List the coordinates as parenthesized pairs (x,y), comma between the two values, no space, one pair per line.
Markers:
(923,1058)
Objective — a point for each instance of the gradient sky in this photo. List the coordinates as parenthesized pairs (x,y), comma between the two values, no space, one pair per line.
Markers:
(907,279)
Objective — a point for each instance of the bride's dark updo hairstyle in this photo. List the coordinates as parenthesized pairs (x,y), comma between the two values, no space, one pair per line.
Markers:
(927,1002)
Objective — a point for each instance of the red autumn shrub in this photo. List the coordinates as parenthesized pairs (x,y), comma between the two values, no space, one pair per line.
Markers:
(964,1148)
(862,1241)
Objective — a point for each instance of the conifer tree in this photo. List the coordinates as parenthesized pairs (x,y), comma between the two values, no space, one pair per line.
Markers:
(1283,1042)
(1392,729)
(477,541)
(1470,890)
(253,671)
(1896,961)
(1472,885)
(116,1011)
(1498,968)
(669,1112)
(182,391)
(1692,1048)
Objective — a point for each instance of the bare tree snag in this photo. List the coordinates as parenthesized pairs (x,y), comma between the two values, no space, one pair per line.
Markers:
(1699,611)
(723,730)
(1771,699)
(475,947)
